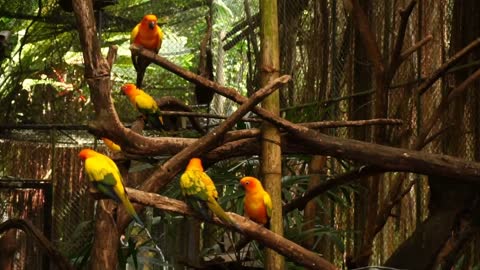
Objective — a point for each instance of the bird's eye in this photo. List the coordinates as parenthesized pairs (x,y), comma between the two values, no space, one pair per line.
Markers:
(247,183)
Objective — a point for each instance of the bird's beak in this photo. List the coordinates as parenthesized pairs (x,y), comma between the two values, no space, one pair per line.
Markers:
(151,25)
(240,186)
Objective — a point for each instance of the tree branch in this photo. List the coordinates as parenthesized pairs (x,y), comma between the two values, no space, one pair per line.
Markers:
(405,54)
(251,229)
(165,173)
(385,157)
(443,106)
(335,181)
(446,66)
(44,244)
(396,59)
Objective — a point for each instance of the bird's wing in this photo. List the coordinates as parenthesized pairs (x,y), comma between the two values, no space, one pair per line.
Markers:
(134,33)
(268,203)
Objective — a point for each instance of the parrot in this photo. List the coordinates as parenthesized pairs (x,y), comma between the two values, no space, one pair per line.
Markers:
(111,145)
(257,203)
(105,176)
(149,35)
(144,104)
(200,191)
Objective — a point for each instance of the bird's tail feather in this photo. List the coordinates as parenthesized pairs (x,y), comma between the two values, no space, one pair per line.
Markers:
(131,211)
(220,213)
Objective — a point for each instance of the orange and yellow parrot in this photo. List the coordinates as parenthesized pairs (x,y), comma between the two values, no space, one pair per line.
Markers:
(257,203)
(111,145)
(145,104)
(200,191)
(149,35)
(105,176)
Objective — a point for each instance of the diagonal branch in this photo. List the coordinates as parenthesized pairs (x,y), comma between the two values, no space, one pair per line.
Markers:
(446,66)
(335,181)
(385,157)
(165,173)
(443,106)
(44,244)
(405,54)
(251,229)
(396,59)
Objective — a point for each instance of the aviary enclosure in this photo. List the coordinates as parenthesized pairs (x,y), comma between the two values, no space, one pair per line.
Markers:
(358,116)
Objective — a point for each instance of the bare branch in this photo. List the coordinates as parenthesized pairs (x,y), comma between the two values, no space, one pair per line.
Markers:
(43,243)
(165,173)
(446,66)
(396,59)
(443,106)
(405,54)
(335,181)
(249,228)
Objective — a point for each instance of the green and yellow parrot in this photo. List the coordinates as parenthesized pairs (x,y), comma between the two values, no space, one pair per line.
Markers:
(200,191)
(149,35)
(105,177)
(145,104)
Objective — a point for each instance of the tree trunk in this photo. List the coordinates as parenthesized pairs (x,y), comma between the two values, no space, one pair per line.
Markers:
(271,151)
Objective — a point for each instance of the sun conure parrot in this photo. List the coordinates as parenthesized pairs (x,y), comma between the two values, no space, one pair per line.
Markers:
(111,145)
(105,177)
(200,192)
(257,203)
(145,104)
(149,35)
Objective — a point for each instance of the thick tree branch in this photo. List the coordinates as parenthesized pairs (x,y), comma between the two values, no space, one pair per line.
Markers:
(44,244)
(385,157)
(165,173)
(251,229)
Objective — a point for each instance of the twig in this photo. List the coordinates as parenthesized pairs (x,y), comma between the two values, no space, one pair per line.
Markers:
(206,115)
(253,230)
(443,106)
(446,66)
(335,181)
(405,54)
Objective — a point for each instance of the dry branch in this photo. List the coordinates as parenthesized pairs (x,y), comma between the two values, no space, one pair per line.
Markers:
(443,106)
(44,244)
(165,173)
(396,59)
(446,66)
(405,54)
(384,157)
(338,180)
(251,229)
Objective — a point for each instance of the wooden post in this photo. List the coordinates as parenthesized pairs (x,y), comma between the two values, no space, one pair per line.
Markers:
(271,151)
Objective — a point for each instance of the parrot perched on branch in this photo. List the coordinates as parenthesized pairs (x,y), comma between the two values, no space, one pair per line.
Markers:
(200,191)
(105,177)
(145,104)
(257,202)
(149,35)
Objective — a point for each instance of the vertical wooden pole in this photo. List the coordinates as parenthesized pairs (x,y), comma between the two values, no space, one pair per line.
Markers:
(271,151)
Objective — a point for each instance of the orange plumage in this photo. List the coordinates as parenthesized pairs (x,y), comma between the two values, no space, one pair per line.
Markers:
(257,202)
(149,35)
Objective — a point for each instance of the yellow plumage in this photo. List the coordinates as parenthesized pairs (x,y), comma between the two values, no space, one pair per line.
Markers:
(200,191)
(105,176)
